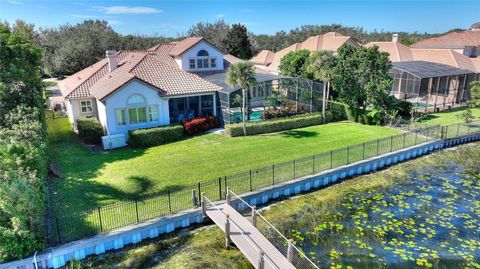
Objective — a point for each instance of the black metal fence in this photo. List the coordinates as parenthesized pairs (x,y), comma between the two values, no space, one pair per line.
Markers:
(72,227)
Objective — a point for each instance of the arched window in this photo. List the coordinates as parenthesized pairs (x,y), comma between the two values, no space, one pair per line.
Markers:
(202,53)
(136,100)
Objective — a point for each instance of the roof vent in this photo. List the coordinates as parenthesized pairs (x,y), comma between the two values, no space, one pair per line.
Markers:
(112,60)
(395,38)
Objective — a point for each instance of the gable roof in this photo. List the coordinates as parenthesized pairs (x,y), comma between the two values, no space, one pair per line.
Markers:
(330,41)
(453,40)
(397,51)
(155,67)
(264,57)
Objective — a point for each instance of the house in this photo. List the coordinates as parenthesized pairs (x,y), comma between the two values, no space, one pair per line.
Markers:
(331,41)
(431,79)
(464,42)
(130,90)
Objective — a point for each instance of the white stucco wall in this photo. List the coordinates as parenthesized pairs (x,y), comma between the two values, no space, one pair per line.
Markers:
(74,110)
(102,115)
(183,60)
(119,100)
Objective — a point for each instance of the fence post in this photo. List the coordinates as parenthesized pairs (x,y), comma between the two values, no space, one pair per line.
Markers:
(194,198)
(363,151)
(404,138)
(290,251)
(204,205)
(227,232)
(169,201)
(220,188)
(426,135)
(260,259)
(250,180)
(225,185)
(100,219)
(58,230)
(228,196)
(254,216)
(136,210)
(294,170)
(273,174)
(416,135)
(199,193)
(313,164)
(331,159)
(378,145)
(348,154)
(391,143)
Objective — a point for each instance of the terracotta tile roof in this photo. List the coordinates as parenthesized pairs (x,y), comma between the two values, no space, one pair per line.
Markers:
(264,57)
(330,41)
(182,46)
(155,67)
(400,53)
(453,40)
(397,51)
(155,70)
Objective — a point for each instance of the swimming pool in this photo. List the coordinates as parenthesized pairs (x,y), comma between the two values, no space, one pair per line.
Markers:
(255,116)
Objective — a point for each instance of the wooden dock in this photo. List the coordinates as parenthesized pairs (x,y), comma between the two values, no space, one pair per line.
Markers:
(248,239)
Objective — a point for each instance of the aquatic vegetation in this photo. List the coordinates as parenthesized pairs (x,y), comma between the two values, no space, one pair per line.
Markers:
(427,221)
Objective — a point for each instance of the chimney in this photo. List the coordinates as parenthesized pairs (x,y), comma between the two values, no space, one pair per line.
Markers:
(395,38)
(112,60)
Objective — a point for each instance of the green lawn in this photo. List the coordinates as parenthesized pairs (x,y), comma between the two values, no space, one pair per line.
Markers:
(448,117)
(92,178)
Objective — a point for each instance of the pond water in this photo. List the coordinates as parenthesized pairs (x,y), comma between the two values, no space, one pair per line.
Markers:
(428,221)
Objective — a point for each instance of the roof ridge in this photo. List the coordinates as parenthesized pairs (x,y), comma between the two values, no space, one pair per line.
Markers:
(88,79)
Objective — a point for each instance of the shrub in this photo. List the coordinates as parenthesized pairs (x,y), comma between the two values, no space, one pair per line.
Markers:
(338,111)
(17,244)
(404,108)
(155,136)
(199,125)
(287,109)
(275,125)
(90,130)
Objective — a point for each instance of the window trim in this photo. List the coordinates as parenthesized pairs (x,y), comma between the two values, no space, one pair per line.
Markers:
(86,106)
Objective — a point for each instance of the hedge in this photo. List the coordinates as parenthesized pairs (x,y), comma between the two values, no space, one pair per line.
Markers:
(199,125)
(155,136)
(90,130)
(275,125)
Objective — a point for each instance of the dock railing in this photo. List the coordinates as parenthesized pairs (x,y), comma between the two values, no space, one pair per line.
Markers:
(286,246)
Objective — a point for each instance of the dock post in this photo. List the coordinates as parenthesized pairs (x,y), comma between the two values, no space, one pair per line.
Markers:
(261,258)
(254,216)
(228,196)
(290,251)
(204,205)
(227,232)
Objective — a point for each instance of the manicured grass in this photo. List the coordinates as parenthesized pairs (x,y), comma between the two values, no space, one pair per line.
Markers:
(92,178)
(448,117)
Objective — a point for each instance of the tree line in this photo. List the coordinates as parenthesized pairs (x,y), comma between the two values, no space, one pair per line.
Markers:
(23,145)
(70,48)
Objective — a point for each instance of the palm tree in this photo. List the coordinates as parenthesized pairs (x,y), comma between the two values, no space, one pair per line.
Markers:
(321,64)
(242,74)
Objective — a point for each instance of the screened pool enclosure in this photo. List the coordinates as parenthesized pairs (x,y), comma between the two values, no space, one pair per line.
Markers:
(431,86)
(304,94)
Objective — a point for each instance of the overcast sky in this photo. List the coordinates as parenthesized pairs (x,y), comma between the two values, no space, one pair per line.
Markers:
(169,18)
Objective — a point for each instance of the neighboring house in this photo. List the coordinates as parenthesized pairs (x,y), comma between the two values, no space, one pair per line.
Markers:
(270,61)
(464,42)
(130,90)
(430,78)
